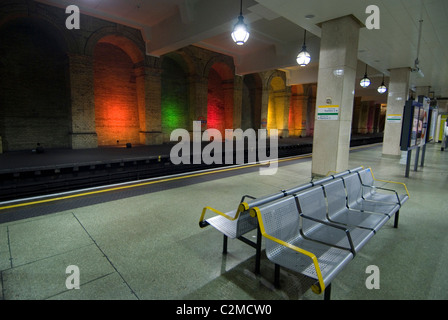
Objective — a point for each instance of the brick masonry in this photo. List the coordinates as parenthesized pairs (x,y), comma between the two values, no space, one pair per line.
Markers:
(95,86)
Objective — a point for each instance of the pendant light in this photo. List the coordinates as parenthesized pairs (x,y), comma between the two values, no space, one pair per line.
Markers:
(382,88)
(365,82)
(303,58)
(240,33)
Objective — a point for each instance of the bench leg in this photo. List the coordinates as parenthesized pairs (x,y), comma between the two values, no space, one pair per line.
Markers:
(258,252)
(224,245)
(327,292)
(396,219)
(277,276)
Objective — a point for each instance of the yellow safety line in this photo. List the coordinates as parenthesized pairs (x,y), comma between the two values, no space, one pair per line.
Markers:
(152,182)
(147,183)
(256,211)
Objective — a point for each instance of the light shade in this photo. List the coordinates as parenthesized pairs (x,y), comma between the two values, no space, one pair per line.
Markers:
(240,33)
(303,58)
(382,88)
(365,82)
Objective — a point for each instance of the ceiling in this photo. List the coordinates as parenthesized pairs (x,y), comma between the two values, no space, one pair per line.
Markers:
(277,31)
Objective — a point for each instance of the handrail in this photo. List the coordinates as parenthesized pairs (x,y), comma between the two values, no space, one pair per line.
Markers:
(316,289)
(333,225)
(201,220)
(380,188)
(387,181)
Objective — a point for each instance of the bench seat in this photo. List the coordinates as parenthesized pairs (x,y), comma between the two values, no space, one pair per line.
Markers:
(311,206)
(372,192)
(233,228)
(339,211)
(300,237)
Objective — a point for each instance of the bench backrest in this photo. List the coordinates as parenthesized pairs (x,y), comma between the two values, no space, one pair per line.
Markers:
(281,220)
(336,196)
(366,177)
(312,204)
(353,187)
(276,196)
(245,223)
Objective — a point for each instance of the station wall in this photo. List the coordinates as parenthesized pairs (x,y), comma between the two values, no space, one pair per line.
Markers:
(96,87)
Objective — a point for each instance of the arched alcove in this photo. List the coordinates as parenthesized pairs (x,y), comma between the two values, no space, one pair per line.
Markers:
(220,97)
(34,88)
(117,93)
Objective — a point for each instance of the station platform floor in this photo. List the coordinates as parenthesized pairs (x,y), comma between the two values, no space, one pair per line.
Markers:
(143,241)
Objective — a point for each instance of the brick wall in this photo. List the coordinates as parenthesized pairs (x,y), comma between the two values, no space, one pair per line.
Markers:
(175,98)
(215,102)
(34,96)
(116,104)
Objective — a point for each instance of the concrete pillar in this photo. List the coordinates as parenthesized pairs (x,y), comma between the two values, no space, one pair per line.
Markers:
(398,94)
(339,50)
(82,96)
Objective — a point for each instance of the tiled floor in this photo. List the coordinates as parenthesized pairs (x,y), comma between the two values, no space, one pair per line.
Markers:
(149,246)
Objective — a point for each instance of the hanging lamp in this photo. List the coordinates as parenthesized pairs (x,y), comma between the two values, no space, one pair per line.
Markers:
(303,58)
(382,88)
(240,32)
(365,82)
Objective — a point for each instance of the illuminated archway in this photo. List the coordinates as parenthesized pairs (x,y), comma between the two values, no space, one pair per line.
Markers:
(298,111)
(220,97)
(117,93)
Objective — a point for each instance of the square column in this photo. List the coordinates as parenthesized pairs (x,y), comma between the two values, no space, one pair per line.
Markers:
(150,110)
(83,131)
(398,94)
(335,90)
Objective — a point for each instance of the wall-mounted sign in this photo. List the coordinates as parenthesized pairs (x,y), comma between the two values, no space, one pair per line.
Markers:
(394,118)
(329,112)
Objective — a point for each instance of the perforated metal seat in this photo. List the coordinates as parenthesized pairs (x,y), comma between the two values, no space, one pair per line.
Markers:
(338,211)
(357,200)
(234,228)
(288,247)
(316,225)
(373,192)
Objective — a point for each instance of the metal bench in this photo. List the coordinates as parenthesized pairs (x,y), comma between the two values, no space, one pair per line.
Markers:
(340,212)
(370,189)
(236,223)
(289,245)
(370,198)
(316,233)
